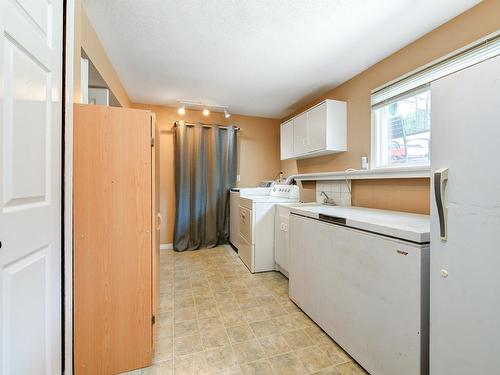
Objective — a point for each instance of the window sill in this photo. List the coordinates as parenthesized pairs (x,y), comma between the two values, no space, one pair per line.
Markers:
(379,173)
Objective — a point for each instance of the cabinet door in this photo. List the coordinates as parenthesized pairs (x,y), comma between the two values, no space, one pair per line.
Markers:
(316,128)
(285,220)
(278,238)
(300,138)
(286,140)
(282,240)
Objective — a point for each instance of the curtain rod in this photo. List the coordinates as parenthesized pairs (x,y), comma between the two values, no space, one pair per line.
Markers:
(236,128)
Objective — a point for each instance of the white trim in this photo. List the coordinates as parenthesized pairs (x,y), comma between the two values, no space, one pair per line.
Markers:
(68,191)
(166,246)
(380,173)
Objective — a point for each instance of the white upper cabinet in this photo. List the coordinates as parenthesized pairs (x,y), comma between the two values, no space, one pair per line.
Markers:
(286,140)
(318,131)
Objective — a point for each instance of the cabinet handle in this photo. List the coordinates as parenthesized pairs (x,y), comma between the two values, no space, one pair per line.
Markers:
(440,178)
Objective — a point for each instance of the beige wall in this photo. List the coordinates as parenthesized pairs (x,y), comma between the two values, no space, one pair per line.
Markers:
(472,25)
(87,39)
(258,153)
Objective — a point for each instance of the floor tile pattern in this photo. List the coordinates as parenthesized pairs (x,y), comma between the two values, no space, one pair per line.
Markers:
(218,318)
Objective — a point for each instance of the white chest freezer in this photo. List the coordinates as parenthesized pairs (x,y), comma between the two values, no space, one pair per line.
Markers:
(363,276)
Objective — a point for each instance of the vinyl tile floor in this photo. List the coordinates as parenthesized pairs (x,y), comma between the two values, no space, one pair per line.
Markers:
(218,318)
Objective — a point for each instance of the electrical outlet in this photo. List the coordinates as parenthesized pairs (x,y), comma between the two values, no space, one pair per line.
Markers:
(238,178)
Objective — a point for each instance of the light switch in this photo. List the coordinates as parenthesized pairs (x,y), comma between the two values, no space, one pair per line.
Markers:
(238,179)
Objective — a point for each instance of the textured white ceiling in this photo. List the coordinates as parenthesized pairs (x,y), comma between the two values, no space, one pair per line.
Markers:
(259,57)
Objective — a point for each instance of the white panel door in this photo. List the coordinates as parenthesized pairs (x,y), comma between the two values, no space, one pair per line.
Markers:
(30,186)
(316,128)
(465,305)
(286,140)
(300,137)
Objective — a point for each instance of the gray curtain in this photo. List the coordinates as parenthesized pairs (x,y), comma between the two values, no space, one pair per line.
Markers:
(205,170)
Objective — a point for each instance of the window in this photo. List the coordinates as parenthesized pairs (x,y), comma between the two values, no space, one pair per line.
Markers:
(401,109)
(401,129)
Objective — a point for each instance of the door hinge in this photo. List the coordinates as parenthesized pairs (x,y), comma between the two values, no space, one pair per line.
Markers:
(153,319)
(152,142)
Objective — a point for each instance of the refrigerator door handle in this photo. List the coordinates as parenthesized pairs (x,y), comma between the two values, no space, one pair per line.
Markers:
(440,178)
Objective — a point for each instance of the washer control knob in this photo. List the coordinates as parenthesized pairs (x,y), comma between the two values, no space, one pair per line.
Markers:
(443,273)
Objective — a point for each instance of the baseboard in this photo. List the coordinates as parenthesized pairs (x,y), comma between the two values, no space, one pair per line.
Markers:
(166,246)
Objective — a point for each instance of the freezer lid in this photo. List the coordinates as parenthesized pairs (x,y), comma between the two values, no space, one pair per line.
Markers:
(402,225)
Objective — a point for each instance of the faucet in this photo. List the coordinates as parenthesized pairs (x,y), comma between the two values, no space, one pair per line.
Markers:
(328,201)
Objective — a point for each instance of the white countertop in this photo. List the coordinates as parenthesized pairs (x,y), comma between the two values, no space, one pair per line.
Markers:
(403,225)
(299,204)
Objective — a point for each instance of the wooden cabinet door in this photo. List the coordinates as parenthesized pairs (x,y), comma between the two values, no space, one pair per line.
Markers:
(300,138)
(156,220)
(112,239)
(286,140)
(316,128)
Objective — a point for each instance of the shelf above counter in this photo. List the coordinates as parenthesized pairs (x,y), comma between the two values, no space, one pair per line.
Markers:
(380,173)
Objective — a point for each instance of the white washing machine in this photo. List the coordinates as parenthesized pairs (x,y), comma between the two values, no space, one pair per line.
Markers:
(256,226)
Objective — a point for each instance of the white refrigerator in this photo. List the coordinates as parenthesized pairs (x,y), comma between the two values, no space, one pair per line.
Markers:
(465,222)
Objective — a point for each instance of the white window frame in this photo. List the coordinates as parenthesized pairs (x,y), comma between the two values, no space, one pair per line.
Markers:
(479,51)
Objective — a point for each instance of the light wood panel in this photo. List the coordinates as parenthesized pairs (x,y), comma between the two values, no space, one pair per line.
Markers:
(112,231)
(405,194)
(156,220)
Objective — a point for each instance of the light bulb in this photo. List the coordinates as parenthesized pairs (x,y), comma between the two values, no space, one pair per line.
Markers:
(226,114)
(181,110)
(206,112)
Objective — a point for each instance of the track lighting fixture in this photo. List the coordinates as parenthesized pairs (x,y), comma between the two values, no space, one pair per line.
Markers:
(183,105)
